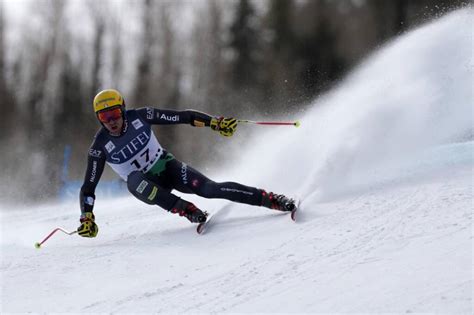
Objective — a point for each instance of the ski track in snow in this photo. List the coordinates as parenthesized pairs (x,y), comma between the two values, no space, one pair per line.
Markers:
(385,226)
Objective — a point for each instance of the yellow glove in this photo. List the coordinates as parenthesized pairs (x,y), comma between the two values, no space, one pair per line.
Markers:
(88,227)
(225,126)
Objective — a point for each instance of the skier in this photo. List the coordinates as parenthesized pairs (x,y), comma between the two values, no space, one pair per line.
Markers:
(127,143)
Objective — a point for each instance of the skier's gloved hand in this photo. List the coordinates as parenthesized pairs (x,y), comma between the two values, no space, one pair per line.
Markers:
(225,126)
(88,227)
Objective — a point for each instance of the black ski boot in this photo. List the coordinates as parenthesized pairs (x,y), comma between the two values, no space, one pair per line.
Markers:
(277,202)
(189,210)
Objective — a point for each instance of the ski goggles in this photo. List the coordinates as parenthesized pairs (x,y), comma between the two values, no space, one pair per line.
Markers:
(111,114)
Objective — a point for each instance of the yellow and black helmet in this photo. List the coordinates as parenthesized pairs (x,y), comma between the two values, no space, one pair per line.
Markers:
(108,98)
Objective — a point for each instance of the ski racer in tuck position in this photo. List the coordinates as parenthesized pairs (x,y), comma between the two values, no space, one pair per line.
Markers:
(127,143)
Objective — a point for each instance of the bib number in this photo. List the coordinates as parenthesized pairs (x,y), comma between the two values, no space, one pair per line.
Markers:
(144,156)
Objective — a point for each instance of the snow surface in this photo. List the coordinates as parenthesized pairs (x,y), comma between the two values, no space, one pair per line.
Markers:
(384,166)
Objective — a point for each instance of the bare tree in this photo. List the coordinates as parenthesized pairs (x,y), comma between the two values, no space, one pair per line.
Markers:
(142,93)
(279,76)
(115,29)
(209,77)
(390,17)
(169,74)
(97,11)
(6,101)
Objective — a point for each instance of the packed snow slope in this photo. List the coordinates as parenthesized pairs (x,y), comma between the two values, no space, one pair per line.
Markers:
(383,165)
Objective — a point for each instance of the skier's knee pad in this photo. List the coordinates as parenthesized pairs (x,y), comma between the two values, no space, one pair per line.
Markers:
(149,192)
(141,187)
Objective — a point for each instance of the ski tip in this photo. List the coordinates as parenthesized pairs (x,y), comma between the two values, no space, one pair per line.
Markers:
(293,215)
(200,228)
(293,212)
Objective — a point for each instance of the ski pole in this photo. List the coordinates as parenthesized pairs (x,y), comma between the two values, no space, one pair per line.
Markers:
(38,244)
(272,123)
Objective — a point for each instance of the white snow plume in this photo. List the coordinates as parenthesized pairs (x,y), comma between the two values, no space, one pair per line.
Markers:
(413,94)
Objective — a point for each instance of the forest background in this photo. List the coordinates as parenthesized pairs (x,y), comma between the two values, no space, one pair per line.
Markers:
(260,59)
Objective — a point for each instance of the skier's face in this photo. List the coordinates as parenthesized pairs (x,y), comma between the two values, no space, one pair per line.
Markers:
(112,120)
(114,126)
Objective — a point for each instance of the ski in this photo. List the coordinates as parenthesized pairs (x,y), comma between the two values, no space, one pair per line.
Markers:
(202,227)
(293,212)
(212,217)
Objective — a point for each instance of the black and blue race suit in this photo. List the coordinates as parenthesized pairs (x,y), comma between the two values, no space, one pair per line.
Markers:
(150,171)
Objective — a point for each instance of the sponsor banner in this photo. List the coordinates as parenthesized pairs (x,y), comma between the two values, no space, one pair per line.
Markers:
(134,146)
(137,124)
(174,118)
(153,193)
(93,172)
(142,186)
(198,123)
(95,153)
(184,173)
(110,146)
(237,191)
(149,113)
